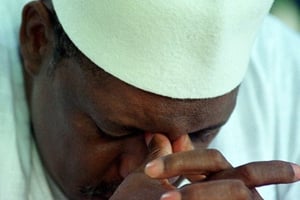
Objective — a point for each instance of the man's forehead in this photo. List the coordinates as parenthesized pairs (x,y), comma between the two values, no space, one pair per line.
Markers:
(128,106)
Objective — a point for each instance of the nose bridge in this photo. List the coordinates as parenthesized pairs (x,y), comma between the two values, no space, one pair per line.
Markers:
(175,128)
(172,119)
(173,123)
(177,131)
(175,134)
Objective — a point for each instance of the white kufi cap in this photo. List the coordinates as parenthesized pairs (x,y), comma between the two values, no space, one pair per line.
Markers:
(186,49)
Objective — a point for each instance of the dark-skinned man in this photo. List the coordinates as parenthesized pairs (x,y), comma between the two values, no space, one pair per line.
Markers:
(125,96)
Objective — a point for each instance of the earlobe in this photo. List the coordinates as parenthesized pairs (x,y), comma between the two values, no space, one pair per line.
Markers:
(35,36)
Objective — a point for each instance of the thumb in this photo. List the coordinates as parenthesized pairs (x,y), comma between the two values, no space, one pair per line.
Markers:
(158,145)
(182,143)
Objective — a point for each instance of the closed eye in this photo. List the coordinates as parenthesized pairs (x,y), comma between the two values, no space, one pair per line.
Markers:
(120,133)
(205,137)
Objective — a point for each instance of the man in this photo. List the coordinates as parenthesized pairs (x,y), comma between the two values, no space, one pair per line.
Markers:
(105,131)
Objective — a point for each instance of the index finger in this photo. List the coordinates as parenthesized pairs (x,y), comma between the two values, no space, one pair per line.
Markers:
(196,162)
(262,173)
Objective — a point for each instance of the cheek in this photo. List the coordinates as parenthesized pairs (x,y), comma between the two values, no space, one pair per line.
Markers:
(133,156)
(90,153)
(74,153)
(86,160)
(90,158)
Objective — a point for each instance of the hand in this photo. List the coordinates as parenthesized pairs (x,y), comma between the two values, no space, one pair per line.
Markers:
(207,169)
(213,177)
(137,185)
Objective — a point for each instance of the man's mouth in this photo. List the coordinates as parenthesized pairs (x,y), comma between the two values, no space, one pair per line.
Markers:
(101,191)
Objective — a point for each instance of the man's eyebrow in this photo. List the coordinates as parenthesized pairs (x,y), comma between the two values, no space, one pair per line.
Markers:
(209,128)
(134,130)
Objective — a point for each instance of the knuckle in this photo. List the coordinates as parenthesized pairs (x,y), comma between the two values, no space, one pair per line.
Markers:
(218,158)
(249,174)
(239,190)
(216,155)
(155,153)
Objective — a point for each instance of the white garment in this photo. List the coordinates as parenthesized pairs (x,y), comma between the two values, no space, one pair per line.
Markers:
(21,173)
(263,126)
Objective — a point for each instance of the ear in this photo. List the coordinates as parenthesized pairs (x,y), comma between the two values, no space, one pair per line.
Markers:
(36,36)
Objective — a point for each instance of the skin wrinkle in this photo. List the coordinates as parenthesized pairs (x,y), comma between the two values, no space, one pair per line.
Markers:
(156,110)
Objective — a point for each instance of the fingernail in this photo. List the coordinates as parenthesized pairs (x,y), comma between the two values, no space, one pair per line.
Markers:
(148,138)
(154,168)
(171,196)
(296,169)
(173,179)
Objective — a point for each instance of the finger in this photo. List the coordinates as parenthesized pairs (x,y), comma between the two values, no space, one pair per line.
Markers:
(262,173)
(138,186)
(195,178)
(197,162)
(158,145)
(256,195)
(217,190)
(182,143)
(190,178)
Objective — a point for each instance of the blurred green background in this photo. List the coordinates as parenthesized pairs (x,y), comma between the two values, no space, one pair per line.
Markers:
(288,11)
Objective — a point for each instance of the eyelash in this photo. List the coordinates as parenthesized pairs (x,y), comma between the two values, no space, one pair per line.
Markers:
(202,137)
(105,135)
(111,137)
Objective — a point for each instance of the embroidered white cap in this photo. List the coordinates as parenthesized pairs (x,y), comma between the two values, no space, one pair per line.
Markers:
(185,49)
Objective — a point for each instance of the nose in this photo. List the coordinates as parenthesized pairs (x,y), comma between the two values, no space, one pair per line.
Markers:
(134,152)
